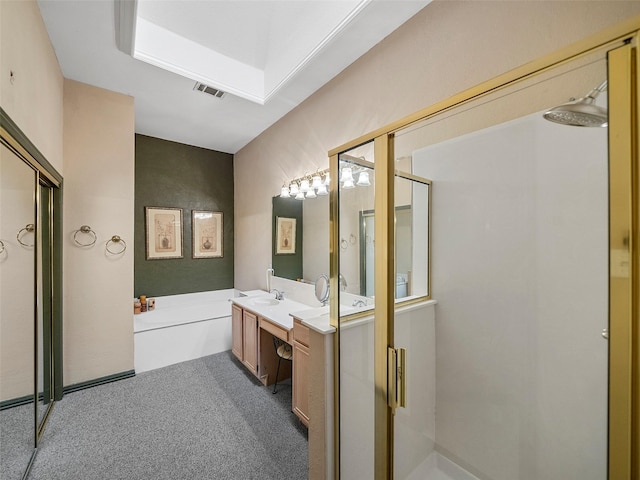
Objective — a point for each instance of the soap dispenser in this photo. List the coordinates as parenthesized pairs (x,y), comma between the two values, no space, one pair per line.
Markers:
(270,273)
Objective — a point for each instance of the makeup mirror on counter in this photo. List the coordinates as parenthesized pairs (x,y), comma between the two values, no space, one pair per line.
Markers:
(322,289)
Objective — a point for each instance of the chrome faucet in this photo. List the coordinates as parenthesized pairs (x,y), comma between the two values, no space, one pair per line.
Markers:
(279,294)
(358,303)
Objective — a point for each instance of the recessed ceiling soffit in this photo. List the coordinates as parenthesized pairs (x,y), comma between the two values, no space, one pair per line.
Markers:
(250,49)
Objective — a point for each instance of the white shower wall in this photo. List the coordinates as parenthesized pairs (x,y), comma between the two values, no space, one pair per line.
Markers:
(519,252)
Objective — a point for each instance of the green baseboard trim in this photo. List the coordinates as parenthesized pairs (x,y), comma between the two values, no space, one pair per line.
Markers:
(16,402)
(98,381)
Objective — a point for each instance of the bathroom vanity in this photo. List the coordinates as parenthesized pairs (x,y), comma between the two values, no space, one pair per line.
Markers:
(299,320)
(256,319)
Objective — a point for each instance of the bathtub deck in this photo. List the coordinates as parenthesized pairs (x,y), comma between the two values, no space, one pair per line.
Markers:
(182,327)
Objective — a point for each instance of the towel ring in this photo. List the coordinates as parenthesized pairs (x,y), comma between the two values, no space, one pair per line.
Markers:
(29,228)
(115,240)
(1,246)
(352,239)
(344,244)
(86,229)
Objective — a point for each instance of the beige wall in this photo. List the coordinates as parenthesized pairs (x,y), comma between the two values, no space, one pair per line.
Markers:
(99,192)
(34,99)
(433,56)
(93,130)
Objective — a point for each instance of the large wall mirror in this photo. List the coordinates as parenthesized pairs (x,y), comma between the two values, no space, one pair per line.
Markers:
(310,258)
(30,298)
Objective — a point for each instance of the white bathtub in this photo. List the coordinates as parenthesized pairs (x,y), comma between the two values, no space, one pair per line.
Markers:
(182,327)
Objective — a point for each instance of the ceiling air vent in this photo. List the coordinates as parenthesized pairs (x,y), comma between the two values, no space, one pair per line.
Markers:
(210,90)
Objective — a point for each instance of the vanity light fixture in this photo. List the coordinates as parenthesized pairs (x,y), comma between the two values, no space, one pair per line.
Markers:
(307,186)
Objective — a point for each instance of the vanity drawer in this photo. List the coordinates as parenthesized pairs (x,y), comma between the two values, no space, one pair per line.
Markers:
(274,330)
(300,332)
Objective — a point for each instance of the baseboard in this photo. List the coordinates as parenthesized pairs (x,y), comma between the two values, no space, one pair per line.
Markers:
(16,402)
(98,381)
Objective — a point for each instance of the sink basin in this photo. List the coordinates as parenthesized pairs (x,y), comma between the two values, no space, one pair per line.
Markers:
(265,302)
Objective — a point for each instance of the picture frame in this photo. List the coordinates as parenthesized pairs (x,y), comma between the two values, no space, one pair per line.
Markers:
(207,234)
(285,236)
(163,231)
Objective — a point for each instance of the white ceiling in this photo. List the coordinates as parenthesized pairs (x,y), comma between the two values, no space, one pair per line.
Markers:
(267,55)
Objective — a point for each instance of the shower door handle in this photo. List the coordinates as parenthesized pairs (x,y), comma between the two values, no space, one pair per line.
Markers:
(396,377)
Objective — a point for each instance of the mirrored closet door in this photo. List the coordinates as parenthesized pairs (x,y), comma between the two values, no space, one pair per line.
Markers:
(30,298)
(17,312)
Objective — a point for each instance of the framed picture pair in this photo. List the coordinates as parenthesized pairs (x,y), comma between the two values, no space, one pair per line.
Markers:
(164,237)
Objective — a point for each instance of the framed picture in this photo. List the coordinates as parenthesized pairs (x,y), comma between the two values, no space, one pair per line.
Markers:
(206,229)
(163,232)
(285,236)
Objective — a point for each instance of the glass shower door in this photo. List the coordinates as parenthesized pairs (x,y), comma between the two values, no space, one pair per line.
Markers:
(354,293)
(521,367)
(513,365)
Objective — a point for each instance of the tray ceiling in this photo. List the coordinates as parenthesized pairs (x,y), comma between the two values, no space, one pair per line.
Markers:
(268,56)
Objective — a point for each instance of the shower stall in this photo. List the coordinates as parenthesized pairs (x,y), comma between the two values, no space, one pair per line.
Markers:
(508,356)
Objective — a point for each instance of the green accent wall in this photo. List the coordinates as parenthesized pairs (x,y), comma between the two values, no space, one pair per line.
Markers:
(287,266)
(170,174)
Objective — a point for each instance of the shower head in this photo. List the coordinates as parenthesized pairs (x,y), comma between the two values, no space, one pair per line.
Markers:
(582,112)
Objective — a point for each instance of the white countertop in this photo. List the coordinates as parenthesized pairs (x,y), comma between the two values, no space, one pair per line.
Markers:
(316,318)
(279,313)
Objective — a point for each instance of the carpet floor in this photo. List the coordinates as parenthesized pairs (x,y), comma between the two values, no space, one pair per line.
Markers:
(203,419)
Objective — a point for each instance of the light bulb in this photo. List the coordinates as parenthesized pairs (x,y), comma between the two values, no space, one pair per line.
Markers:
(284,192)
(346,175)
(363,179)
(304,185)
(294,188)
(322,190)
(317,181)
(311,193)
(300,196)
(348,184)
(327,178)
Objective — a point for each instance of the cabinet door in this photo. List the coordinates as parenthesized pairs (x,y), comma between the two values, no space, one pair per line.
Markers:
(236,331)
(250,341)
(301,382)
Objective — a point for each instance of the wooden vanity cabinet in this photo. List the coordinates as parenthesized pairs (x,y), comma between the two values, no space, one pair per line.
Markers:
(250,341)
(244,334)
(236,332)
(300,400)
